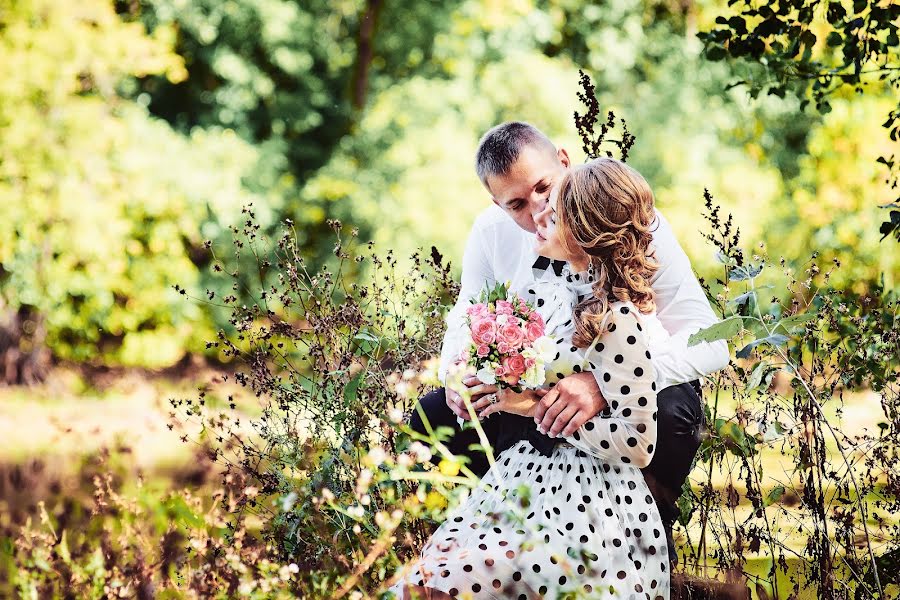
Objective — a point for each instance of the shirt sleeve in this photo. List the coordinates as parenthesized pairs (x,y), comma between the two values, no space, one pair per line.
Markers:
(683,309)
(620,360)
(477,271)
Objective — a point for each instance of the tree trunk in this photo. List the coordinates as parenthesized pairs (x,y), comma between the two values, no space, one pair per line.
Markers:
(365,51)
(24,357)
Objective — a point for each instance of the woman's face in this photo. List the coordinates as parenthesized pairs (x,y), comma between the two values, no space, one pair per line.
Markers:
(548,240)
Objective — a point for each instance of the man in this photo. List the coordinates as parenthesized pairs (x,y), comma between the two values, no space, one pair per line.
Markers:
(519,166)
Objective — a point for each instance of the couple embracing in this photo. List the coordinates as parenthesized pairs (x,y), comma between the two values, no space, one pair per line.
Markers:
(580,501)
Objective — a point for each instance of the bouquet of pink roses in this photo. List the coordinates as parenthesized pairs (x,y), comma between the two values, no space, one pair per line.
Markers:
(508,346)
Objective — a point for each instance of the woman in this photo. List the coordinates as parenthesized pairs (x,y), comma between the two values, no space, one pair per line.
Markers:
(575,517)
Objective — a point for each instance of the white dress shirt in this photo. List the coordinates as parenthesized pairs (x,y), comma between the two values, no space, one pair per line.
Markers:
(498,250)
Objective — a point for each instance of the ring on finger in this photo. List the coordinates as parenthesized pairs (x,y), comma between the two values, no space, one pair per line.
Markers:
(493,398)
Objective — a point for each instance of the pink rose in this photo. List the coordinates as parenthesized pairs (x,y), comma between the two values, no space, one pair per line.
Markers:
(504,348)
(477,310)
(512,334)
(529,362)
(515,365)
(483,351)
(484,331)
(534,330)
(504,307)
(535,317)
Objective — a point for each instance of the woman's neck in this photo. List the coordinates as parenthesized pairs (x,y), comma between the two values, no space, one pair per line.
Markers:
(579,263)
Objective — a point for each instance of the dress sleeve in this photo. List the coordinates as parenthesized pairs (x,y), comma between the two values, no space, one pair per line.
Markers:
(619,359)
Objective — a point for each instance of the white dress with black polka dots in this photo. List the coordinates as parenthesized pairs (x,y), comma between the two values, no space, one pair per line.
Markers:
(580,523)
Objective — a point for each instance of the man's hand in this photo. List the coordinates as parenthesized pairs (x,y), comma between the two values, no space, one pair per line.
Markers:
(569,405)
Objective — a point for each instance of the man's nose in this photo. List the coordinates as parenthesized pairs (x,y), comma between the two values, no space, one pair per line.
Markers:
(540,203)
(541,211)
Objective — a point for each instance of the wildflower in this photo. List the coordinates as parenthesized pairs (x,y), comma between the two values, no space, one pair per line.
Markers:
(376,456)
(420,451)
(395,415)
(448,467)
(435,500)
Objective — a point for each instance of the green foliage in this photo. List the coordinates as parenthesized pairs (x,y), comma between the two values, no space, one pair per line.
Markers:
(102,206)
(793,366)
(291,78)
(817,50)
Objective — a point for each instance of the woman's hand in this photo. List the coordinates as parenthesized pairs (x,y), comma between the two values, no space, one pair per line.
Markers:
(523,403)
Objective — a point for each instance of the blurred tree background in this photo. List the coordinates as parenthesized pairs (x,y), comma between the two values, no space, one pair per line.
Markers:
(132,131)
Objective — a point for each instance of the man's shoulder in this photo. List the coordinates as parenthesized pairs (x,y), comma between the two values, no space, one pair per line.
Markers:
(665,244)
(491,217)
(495,227)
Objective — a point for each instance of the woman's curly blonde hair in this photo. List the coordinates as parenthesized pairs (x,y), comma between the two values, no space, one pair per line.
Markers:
(606,208)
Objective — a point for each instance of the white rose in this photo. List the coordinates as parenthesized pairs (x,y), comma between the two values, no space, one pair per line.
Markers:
(486,375)
(544,349)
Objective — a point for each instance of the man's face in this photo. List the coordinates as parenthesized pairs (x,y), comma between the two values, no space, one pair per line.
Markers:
(524,191)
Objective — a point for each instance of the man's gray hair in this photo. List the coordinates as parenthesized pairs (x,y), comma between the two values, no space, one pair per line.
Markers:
(500,147)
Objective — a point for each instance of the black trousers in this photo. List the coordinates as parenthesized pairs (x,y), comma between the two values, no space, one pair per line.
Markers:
(680,420)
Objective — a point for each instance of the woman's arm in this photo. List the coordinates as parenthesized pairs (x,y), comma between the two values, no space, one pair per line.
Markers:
(620,360)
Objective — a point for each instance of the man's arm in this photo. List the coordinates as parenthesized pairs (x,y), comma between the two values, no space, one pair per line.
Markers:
(682,309)
(477,270)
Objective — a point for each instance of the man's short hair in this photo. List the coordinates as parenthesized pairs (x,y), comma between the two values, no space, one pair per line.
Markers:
(500,147)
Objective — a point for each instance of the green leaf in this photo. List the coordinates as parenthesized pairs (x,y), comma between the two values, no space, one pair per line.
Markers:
(761,372)
(715,53)
(723,330)
(183,513)
(744,273)
(794,321)
(63,548)
(774,495)
(776,339)
(735,438)
(352,388)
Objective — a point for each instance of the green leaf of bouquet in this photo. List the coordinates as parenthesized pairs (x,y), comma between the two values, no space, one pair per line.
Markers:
(722,330)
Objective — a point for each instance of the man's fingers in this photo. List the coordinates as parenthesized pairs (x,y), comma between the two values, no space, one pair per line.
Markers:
(544,404)
(562,420)
(551,414)
(471,380)
(575,423)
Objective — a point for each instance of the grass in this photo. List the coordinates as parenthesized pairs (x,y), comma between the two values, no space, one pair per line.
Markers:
(56,424)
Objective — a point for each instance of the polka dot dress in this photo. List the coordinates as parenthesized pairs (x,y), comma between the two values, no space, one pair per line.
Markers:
(581,521)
